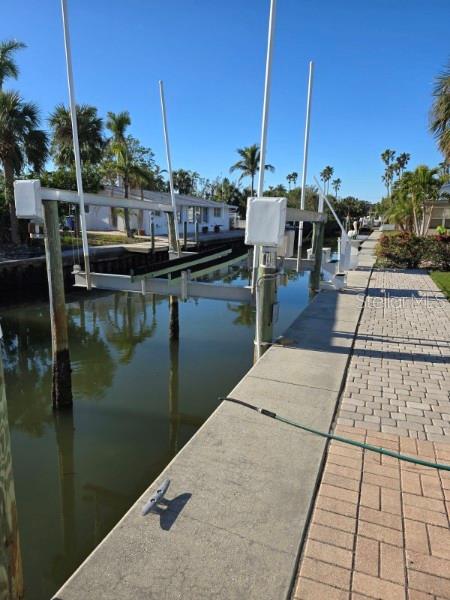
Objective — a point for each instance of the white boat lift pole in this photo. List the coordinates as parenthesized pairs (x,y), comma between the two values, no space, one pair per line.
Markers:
(265,119)
(76,147)
(169,164)
(305,162)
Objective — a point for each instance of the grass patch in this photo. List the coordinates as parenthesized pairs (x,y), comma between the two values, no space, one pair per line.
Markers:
(96,239)
(442,280)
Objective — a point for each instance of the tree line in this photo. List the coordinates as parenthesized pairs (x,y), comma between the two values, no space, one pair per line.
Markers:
(109,154)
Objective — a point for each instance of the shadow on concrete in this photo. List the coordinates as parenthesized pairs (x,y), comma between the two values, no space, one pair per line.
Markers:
(173,508)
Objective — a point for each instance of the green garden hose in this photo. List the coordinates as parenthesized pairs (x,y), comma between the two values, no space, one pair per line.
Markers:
(338,438)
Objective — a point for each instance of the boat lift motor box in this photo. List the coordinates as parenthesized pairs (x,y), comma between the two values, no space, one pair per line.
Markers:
(28,200)
(265,222)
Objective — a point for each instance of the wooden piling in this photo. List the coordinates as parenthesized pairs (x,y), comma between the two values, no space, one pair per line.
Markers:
(318,235)
(152,230)
(185,235)
(171,232)
(11,576)
(61,368)
(196,232)
(174,335)
(266,289)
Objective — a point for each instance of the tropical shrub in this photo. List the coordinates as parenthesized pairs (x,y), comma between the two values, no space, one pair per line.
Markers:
(406,250)
(402,250)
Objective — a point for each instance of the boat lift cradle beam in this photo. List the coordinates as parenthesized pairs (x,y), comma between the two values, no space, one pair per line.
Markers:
(181,287)
(29,195)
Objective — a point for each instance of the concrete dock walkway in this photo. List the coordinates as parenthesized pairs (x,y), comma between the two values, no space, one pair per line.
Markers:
(245,504)
(380,527)
(243,487)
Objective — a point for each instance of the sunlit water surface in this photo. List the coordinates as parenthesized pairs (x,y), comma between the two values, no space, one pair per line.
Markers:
(137,400)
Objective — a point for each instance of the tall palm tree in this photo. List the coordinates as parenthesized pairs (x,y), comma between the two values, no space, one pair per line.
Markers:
(248,165)
(90,135)
(8,66)
(440,112)
(117,123)
(401,162)
(325,176)
(291,178)
(336,185)
(21,143)
(388,157)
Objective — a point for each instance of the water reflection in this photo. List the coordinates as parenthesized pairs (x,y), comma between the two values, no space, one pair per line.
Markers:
(11,577)
(147,371)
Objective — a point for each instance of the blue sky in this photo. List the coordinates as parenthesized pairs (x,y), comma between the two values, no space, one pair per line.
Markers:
(375,64)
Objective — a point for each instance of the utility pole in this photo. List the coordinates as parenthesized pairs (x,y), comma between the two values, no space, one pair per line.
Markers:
(61,368)
(264,124)
(11,577)
(305,162)
(174,241)
(76,147)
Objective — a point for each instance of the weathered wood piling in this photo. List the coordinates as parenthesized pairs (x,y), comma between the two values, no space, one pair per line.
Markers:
(11,577)
(61,367)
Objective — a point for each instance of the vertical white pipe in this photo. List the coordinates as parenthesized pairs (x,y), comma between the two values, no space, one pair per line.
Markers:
(169,163)
(265,119)
(305,162)
(76,147)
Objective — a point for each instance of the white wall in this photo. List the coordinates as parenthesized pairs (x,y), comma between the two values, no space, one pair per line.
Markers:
(99,219)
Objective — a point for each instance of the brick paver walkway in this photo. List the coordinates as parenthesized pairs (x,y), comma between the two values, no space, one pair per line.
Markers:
(380,527)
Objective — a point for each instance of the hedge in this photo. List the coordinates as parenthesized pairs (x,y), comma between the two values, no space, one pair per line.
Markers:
(409,251)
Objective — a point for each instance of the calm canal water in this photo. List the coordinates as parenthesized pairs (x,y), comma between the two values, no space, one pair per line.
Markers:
(137,400)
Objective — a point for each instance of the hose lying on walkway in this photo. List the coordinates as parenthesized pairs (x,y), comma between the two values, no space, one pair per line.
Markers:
(338,438)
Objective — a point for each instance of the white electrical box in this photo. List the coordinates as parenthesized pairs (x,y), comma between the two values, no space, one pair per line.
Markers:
(28,200)
(265,222)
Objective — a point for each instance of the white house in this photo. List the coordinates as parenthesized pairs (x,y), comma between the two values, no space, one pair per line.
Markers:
(210,215)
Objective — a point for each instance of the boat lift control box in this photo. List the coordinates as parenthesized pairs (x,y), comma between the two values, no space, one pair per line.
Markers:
(28,200)
(265,222)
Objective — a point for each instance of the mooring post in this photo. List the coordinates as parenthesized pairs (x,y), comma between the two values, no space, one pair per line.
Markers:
(174,334)
(317,247)
(185,235)
(174,327)
(152,233)
(61,369)
(11,577)
(266,293)
(171,233)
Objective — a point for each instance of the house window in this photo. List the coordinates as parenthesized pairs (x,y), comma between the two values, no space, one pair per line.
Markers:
(205,218)
(190,214)
(218,213)
(157,213)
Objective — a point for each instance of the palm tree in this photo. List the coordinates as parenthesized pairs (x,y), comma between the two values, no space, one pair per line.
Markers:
(90,135)
(292,178)
(440,112)
(117,123)
(325,176)
(8,66)
(21,143)
(388,157)
(413,197)
(336,185)
(401,162)
(249,164)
